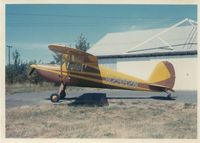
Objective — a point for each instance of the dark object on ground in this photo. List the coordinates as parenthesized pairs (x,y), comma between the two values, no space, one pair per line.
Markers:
(91,99)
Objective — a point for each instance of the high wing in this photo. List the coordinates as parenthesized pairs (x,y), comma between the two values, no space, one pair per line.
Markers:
(75,54)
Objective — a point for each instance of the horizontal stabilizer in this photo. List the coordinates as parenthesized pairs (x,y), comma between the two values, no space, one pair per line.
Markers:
(161,87)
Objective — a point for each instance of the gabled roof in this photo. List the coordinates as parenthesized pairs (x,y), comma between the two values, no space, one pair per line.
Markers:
(173,39)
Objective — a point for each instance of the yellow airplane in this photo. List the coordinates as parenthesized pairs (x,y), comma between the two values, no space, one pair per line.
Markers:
(81,69)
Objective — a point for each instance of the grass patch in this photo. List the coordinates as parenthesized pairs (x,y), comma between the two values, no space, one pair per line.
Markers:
(45,86)
(143,119)
(29,87)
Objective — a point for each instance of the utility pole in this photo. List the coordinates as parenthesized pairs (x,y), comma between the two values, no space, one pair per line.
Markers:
(9,47)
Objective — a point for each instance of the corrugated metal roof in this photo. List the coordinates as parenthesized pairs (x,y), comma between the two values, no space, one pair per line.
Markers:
(180,38)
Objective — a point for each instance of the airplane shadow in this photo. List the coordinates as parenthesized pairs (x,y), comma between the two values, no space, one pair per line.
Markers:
(100,99)
(151,97)
(90,99)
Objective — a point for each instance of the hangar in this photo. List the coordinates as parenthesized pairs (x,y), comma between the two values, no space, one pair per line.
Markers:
(137,52)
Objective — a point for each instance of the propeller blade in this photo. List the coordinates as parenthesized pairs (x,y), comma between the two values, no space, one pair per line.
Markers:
(33,69)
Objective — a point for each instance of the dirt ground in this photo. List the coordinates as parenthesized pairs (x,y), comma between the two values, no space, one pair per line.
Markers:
(120,119)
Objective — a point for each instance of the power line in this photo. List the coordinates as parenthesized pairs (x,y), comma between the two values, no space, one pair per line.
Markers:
(87,16)
(64,15)
(82,24)
(97,22)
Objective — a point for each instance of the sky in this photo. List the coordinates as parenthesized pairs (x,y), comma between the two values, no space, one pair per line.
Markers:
(31,28)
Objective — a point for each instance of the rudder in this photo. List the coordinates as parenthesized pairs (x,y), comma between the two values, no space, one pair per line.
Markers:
(163,75)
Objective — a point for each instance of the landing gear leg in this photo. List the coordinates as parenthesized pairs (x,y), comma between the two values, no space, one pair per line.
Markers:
(61,91)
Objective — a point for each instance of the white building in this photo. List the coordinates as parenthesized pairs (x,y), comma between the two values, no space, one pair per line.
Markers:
(137,52)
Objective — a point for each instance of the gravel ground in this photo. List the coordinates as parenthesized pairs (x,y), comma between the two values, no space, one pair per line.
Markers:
(33,98)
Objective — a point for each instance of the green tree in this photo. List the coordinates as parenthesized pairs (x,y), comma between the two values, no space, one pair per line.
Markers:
(19,71)
(13,70)
(57,58)
(82,43)
(10,73)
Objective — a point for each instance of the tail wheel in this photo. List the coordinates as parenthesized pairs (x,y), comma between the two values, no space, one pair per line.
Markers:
(169,96)
(62,94)
(54,97)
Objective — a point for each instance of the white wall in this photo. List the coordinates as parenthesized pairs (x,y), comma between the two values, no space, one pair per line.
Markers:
(109,63)
(185,69)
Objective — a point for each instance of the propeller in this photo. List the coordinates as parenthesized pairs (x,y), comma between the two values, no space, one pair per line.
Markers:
(32,70)
(30,73)
(33,66)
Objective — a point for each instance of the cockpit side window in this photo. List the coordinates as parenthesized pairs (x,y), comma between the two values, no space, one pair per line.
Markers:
(73,66)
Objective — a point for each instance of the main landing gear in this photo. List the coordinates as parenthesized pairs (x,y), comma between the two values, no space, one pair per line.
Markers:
(55,97)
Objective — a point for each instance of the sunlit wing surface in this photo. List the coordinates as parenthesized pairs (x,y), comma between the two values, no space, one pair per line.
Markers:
(76,55)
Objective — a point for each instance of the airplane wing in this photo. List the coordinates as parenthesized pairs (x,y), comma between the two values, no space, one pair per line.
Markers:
(75,53)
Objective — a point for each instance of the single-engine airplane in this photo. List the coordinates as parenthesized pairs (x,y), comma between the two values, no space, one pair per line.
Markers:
(81,69)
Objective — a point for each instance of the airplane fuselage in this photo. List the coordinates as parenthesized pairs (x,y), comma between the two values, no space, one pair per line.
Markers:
(97,77)
(80,68)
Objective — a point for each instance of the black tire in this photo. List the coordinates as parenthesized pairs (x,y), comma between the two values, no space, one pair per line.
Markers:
(54,98)
(62,94)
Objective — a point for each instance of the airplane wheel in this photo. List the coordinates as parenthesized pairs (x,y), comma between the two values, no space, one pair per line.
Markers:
(54,97)
(169,96)
(62,94)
